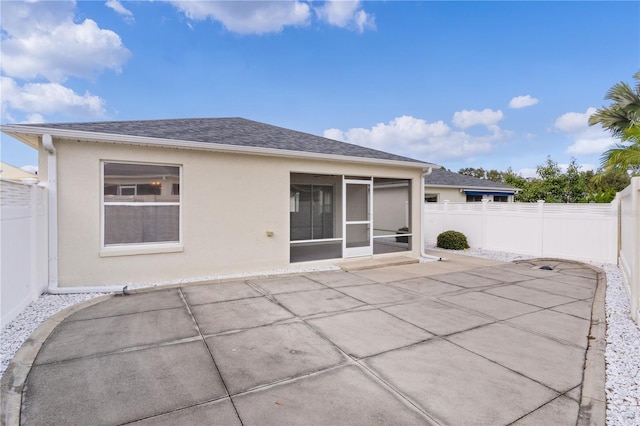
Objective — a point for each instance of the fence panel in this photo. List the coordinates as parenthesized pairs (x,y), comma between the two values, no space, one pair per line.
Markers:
(629,258)
(586,232)
(22,247)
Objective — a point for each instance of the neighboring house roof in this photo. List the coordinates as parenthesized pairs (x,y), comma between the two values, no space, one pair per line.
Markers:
(445,178)
(13,173)
(209,133)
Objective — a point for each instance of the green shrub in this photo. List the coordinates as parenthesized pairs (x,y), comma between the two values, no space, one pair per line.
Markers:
(452,240)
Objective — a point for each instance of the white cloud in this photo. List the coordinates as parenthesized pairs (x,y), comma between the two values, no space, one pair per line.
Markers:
(465,119)
(30,169)
(41,39)
(414,137)
(528,172)
(346,14)
(522,102)
(590,146)
(36,99)
(573,122)
(120,10)
(248,17)
(586,139)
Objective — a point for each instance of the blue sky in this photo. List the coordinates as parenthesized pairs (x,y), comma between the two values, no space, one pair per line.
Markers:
(460,84)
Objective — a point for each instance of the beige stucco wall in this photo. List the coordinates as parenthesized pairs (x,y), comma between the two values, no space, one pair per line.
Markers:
(452,194)
(229,202)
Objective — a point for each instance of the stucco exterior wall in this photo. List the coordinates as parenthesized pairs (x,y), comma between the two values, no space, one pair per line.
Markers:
(228,203)
(452,194)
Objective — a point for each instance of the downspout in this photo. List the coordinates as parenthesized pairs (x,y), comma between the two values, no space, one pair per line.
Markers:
(52,195)
(427,172)
(52,192)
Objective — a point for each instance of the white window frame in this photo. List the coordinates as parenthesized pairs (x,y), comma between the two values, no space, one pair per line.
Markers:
(127,249)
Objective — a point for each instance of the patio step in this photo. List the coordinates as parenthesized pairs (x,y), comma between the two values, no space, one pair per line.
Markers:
(361,265)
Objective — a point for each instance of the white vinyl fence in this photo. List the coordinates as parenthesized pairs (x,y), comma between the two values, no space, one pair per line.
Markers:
(23,256)
(629,260)
(585,232)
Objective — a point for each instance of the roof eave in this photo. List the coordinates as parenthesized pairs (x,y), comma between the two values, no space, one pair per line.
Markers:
(21,133)
(475,188)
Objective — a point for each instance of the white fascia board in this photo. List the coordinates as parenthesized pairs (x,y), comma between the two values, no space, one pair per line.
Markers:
(478,188)
(17,130)
(473,188)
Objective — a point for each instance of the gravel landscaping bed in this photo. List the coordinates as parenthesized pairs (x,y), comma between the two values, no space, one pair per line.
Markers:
(622,352)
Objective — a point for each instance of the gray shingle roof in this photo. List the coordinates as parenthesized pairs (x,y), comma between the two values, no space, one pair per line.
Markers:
(443,177)
(229,131)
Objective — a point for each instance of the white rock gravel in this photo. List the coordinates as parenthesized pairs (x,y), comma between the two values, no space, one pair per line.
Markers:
(622,352)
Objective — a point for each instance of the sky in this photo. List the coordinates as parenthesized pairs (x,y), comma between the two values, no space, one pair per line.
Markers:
(459,84)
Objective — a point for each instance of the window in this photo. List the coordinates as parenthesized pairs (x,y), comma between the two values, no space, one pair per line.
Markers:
(430,198)
(474,198)
(311,208)
(141,203)
(500,198)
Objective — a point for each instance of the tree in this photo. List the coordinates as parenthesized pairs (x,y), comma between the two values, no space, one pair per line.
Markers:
(622,119)
(471,171)
(625,155)
(625,110)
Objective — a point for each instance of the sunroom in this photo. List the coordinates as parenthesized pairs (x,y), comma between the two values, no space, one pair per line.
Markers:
(334,217)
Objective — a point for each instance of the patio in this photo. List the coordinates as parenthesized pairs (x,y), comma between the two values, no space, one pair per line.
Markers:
(463,341)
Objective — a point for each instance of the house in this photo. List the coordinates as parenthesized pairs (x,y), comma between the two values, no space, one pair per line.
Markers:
(443,185)
(135,202)
(10,172)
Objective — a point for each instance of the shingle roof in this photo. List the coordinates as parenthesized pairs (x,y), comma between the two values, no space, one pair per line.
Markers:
(228,131)
(443,177)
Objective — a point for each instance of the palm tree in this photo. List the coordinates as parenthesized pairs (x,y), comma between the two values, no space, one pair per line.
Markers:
(625,155)
(625,110)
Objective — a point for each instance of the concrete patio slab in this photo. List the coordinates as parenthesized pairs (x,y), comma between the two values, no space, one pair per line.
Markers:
(312,302)
(494,306)
(436,268)
(426,286)
(343,396)
(560,411)
(531,296)
(238,314)
(361,265)
(575,279)
(219,292)
(122,387)
(218,413)
(286,284)
(385,275)
(502,274)
(375,294)
(339,279)
(464,279)
(540,358)
(365,333)
(563,289)
(528,270)
(574,330)
(133,303)
(390,345)
(270,354)
(580,309)
(77,339)
(437,318)
(458,387)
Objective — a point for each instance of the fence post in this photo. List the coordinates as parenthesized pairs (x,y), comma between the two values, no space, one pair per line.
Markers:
(483,235)
(446,215)
(540,230)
